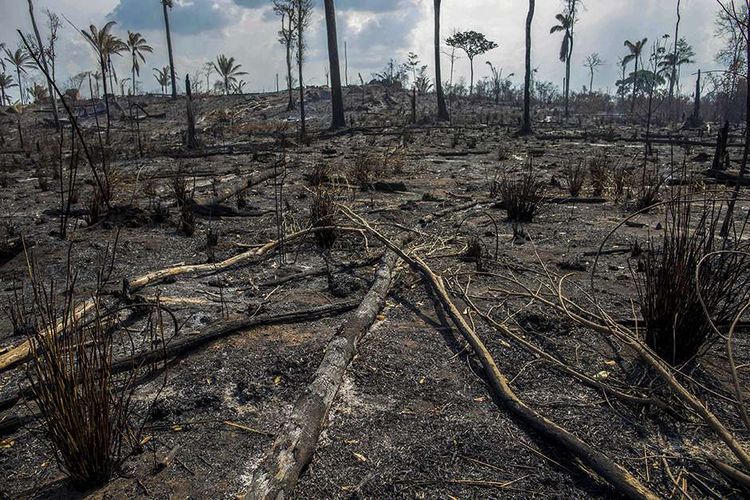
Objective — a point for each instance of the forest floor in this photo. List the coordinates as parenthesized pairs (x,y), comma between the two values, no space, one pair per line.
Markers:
(414,416)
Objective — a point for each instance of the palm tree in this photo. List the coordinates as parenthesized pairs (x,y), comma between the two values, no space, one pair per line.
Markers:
(337,95)
(442,108)
(565,24)
(137,47)
(105,45)
(670,64)
(162,78)
(6,82)
(43,54)
(22,61)
(526,125)
(165,5)
(636,49)
(228,70)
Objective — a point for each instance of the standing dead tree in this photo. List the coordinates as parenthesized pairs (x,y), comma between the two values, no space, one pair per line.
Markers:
(287,37)
(442,108)
(300,22)
(337,96)
(526,125)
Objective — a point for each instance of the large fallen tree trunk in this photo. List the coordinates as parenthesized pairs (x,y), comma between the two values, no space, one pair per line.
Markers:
(22,351)
(293,449)
(212,332)
(234,188)
(617,476)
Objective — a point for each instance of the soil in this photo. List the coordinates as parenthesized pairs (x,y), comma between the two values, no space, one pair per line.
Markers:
(414,417)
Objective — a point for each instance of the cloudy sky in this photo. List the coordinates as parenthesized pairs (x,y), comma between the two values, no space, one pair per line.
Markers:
(375,31)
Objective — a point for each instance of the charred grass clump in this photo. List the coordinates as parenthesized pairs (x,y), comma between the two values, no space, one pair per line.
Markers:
(522,195)
(690,279)
(89,412)
(599,174)
(574,176)
(323,212)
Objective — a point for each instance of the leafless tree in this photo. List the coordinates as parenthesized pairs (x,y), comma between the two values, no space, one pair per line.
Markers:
(526,126)
(300,22)
(287,37)
(338,120)
(593,62)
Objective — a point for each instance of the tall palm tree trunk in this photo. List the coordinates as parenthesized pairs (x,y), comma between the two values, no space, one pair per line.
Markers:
(338,120)
(635,85)
(673,77)
(300,45)
(133,83)
(289,82)
(442,108)
(567,76)
(169,49)
(526,126)
(106,97)
(20,86)
(43,58)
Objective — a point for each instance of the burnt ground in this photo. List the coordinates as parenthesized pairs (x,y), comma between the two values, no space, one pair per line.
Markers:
(414,417)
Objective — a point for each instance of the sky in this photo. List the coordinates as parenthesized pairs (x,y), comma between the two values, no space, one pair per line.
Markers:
(374,31)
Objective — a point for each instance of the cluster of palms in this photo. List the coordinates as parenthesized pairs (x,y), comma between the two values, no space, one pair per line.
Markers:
(20,61)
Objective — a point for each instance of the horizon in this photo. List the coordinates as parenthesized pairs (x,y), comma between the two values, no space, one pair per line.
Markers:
(247,30)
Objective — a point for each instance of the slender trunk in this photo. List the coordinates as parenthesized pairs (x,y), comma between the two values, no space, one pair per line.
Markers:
(169,48)
(337,97)
(591,81)
(20,87)
(2,89)
(191,143)
(43,58)
(635,86)
(673,79)
(132,86)
(471,81)
(442,108)
(290,86)
(346,66)
(567,76)
(300,49)
(526,126)
(106,97)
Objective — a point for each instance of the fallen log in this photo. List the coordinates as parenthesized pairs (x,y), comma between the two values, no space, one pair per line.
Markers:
(22,351)
(614,474)
(234,188)
(189,343)
(727,178)
(279,470)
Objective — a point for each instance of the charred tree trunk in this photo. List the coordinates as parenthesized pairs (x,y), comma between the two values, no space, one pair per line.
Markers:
(337,97)
(442,108)
(526,126)
(169,49)
(289,82)
(293,449)
(746,150)
(191,143)
(720,155)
